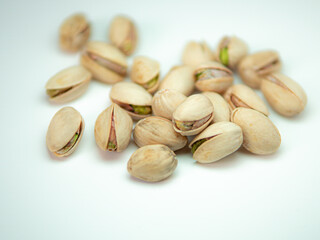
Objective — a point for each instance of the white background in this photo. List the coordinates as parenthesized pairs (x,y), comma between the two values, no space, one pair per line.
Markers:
(90,195)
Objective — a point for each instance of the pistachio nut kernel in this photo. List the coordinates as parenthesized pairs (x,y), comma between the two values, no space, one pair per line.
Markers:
(152,163)
(221,110)
(74,33)
(283,94)
(254,67)
(196,53)
(65,132)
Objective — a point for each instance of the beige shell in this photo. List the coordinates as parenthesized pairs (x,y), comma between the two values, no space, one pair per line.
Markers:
(122,126)
(196,53)
(165,102)
(179,78)
(152,163)
(240,95)
(194,108)
(74,33)
(63,126)
(217,84)
(72,82)
(260,135)
(254,67)
(133,94)
(123,34)
(109,53)
(143,70)
(283,94)
(224,139)
(237,49)
(221,111)
(157,130)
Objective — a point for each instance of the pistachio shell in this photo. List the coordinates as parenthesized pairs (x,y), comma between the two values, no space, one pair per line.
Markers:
(63,126)
(221,111)
(152,163)
(240,95)
(254,67)
(196,53)
(222,139)
(283,94)
(260,135)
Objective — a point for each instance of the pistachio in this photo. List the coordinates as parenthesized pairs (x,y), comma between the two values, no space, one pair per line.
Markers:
(213,76)
(260,135)
(74,33)
(65,132)
(152,163)
(283,94)
(254,67)
(221,111)
(105,62)
(230,51)
(240,95)
(123,34)
(133,98)
(193,115)
(157,130)
(216,142)
(196,53)
(165,102)
(113,129)
(68,84)
(179,78)
(145,72)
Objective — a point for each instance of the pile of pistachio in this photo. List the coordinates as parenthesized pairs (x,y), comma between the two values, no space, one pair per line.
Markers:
(195,102)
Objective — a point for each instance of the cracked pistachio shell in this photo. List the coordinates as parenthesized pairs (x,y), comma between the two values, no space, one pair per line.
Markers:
(179,78)
(196,53)
(122,124)
(62,129)
(220,79)
(240,95)
(195,108)
(236,50)
(221,111)
(127,94)
(260,135)
(254,67)
(165,102)
(158,130)
(123,34)
(68,84)
(144,70)
(74,33)
(283,94)
(107,55)
(223,138)
(152,163)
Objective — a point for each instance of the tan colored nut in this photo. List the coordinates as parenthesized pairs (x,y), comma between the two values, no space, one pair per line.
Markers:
(283,94)
(68,84)
(133,98)
(145,72)
(179,78)
(254,67)
(152,163)
(106,63)
(216,142)
(221,111)
(260,135)
(240,95)
(213,76)
(193,115)
(165,102)
(230,51)
(74,33)
(65,132)
(157,130)
(196,53)
(113,129)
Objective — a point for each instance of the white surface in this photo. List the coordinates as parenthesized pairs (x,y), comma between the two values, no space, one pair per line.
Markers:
(90,195)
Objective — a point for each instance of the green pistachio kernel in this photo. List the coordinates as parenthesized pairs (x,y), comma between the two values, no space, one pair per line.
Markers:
(112,146)
(151,83)
(69,145)
(183,126)
(52,93)
(197,144)
(224,58)
(142,110)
